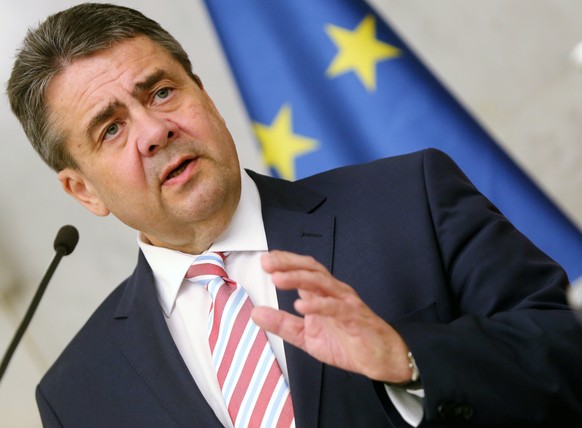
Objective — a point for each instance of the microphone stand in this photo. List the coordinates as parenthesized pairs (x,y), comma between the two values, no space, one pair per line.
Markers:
(61,250)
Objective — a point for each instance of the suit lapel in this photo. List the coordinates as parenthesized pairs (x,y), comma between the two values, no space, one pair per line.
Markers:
(145,341)
(292,223)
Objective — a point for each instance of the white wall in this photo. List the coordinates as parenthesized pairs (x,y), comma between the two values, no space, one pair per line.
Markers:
(507,61)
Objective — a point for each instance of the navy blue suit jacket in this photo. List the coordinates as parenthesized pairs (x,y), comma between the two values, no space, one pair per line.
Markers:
(481,308)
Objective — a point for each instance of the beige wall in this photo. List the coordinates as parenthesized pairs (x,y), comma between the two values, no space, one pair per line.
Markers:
(508,61)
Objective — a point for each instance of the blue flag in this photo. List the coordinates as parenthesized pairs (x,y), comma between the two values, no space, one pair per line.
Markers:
(328,83)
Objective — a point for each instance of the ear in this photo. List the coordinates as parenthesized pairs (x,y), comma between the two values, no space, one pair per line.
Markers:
(76,185)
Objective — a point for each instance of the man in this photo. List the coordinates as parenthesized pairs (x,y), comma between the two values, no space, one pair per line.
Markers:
(382,271)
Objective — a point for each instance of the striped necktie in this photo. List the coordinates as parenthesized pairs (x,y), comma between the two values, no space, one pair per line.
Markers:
(253,387)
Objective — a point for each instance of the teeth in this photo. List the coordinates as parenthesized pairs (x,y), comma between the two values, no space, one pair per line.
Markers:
(178,171)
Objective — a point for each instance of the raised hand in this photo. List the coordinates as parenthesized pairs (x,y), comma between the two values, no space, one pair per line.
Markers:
(337,327)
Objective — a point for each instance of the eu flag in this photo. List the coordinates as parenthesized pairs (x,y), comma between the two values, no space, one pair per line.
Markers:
(328,83)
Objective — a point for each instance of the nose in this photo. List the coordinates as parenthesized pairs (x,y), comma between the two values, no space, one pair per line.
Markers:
(154,132)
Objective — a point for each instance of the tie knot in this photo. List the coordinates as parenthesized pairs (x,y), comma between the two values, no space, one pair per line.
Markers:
(206,267)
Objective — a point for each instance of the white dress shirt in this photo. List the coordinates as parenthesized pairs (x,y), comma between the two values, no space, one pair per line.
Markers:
(186,305)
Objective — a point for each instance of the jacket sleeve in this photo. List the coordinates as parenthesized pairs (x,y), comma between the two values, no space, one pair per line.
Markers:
(48,416)
(512,353)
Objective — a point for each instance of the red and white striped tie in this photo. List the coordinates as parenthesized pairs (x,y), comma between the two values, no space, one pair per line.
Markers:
(255,391)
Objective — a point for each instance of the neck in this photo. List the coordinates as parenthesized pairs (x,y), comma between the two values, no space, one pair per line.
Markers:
(190,241)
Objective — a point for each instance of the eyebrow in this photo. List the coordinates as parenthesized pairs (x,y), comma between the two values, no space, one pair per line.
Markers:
(109,110)
(102,116)
(148,83)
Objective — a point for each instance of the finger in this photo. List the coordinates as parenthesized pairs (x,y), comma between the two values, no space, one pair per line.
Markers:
(308,281)
(306,295)
(323,306)
(317,283)
(330,307)
(277,260)
(289,327)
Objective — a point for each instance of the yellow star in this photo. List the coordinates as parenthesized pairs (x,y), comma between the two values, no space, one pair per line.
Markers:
(280,145)
(359,51)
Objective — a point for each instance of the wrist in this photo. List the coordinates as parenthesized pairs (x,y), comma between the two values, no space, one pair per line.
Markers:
(409,377)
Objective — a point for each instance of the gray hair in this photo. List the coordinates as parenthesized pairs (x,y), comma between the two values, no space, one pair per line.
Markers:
(52,46)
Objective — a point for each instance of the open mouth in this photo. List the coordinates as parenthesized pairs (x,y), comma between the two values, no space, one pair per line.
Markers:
(179,170)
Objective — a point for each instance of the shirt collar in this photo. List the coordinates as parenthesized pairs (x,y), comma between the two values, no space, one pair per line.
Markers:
(246,232)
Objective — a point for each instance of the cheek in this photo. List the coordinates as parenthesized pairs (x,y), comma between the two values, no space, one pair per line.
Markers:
(199,118)
(118,177)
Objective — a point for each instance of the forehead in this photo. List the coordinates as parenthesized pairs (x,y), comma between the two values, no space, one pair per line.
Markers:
(104,77)
(122,58)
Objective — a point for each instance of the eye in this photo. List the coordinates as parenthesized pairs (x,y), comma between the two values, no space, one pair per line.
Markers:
(163,93)
(111,131)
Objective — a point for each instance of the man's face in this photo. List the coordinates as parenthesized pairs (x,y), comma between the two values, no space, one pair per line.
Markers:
(151,147)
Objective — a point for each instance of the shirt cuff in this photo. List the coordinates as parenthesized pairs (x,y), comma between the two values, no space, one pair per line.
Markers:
(408,403)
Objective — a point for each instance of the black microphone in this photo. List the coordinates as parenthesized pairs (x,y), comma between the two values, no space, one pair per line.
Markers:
(65,242)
